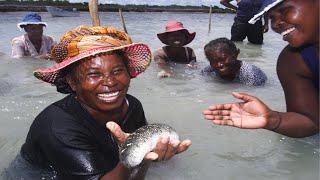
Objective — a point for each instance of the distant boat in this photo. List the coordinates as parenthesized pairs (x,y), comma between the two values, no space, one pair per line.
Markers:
(58,12)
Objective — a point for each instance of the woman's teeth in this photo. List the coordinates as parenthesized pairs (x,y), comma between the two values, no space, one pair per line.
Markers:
(108,96)
(284,33)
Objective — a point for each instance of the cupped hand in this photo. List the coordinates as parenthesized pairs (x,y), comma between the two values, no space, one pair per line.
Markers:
(251,113)
(164,150)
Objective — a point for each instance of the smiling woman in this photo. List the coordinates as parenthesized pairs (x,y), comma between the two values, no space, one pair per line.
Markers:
(69,138)
(298,72)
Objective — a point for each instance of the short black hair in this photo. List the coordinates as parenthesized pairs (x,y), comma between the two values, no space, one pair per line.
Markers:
(224,43)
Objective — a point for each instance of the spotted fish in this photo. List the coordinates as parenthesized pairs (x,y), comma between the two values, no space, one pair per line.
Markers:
(142,141)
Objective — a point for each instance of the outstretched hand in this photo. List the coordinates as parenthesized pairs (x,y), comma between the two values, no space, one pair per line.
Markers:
(251,113)
(164,149)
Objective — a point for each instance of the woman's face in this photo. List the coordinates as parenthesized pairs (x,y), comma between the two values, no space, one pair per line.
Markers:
(101,83)
(222,61)
(297,21)
(176,39)
(34,30)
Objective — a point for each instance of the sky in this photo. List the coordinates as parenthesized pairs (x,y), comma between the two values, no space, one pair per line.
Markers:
(158,2)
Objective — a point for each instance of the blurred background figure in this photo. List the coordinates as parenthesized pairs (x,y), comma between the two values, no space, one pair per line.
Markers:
(33,43)
(222,55)
(241,29)
(175,37)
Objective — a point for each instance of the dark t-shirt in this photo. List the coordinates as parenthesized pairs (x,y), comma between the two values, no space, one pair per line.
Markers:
(310,57)
(67,139)
(247,9)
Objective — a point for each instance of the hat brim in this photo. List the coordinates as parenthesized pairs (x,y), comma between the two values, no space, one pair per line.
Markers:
(139,56)
(19,25)
(189,36)
(266,6)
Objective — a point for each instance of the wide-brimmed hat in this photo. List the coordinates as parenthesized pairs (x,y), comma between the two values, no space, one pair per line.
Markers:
(266,6)
(32,18)
(173,26)
(85,42)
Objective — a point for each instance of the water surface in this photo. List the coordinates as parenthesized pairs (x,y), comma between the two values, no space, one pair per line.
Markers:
(217,152)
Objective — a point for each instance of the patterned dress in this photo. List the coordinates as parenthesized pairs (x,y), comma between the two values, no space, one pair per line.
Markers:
(249,74)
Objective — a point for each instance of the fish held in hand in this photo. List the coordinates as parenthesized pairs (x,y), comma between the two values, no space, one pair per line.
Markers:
(142,141)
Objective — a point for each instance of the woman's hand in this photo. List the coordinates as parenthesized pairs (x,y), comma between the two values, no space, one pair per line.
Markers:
(164,149)
(117,132)
(251,114)
(163,74)
(44,56)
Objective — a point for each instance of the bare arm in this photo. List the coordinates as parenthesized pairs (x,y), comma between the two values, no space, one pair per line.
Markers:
(266,23)
(302,98)
(17,49)
(227,3)
(160,57)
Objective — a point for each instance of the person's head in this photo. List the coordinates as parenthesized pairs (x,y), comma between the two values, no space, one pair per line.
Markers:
(32,24)
(96,64)
(222,55)
(297,21)
(176,35)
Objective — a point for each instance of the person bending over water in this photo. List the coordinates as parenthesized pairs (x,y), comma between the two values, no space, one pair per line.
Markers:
(175,37)
(222,55)
(69,138)
(34,43)
(298,71)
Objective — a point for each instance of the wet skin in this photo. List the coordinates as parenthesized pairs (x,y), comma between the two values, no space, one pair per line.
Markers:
(101,85)
(297,20)
(226,64)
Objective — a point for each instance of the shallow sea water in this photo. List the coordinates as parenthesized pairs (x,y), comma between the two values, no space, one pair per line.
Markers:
(217,152)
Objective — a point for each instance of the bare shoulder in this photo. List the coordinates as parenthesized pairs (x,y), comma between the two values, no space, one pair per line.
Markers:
(297,82)
(290,62)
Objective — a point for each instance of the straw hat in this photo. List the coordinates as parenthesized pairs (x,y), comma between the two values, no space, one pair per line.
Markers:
(173,26)
(266,6)
(32,18)
(84,42)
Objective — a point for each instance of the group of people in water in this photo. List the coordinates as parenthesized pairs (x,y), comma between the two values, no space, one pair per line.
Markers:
(77,137)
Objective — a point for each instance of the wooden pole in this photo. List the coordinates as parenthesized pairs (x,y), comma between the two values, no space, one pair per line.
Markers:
(122,20)
(93,8)
(210,11)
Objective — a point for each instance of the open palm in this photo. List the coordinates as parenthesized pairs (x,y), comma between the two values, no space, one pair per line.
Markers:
(251,113)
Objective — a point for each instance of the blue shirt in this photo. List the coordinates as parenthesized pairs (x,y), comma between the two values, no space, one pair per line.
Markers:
(310,57)
(247,9)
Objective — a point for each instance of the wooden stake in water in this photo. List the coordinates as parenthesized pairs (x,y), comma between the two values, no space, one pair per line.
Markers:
(210,11)
(122,20)
(93,8)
